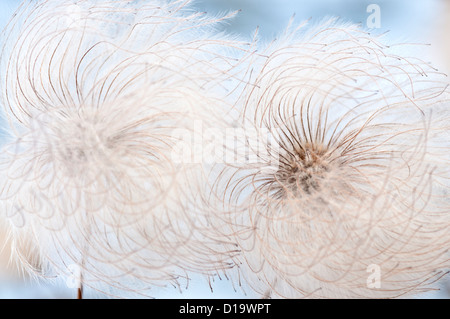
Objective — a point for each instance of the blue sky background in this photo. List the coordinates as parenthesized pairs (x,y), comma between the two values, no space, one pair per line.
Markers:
(406,20)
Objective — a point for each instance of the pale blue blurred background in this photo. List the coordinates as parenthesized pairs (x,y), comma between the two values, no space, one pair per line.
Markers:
(415,21)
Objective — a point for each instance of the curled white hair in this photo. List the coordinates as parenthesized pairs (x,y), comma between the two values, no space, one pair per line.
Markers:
(94,92)
(356,177)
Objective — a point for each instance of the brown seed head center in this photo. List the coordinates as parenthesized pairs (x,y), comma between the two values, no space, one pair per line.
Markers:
(304,169)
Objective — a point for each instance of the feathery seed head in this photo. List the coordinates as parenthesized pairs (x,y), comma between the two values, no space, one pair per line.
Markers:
(361,176)
(93,100)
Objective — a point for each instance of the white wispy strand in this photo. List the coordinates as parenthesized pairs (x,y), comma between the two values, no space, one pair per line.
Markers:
(93,92)
(361,147)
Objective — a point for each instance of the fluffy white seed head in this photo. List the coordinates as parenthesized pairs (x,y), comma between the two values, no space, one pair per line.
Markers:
(353,200)
(94,99)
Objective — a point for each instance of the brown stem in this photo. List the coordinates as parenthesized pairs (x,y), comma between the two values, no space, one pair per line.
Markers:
(80,292)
